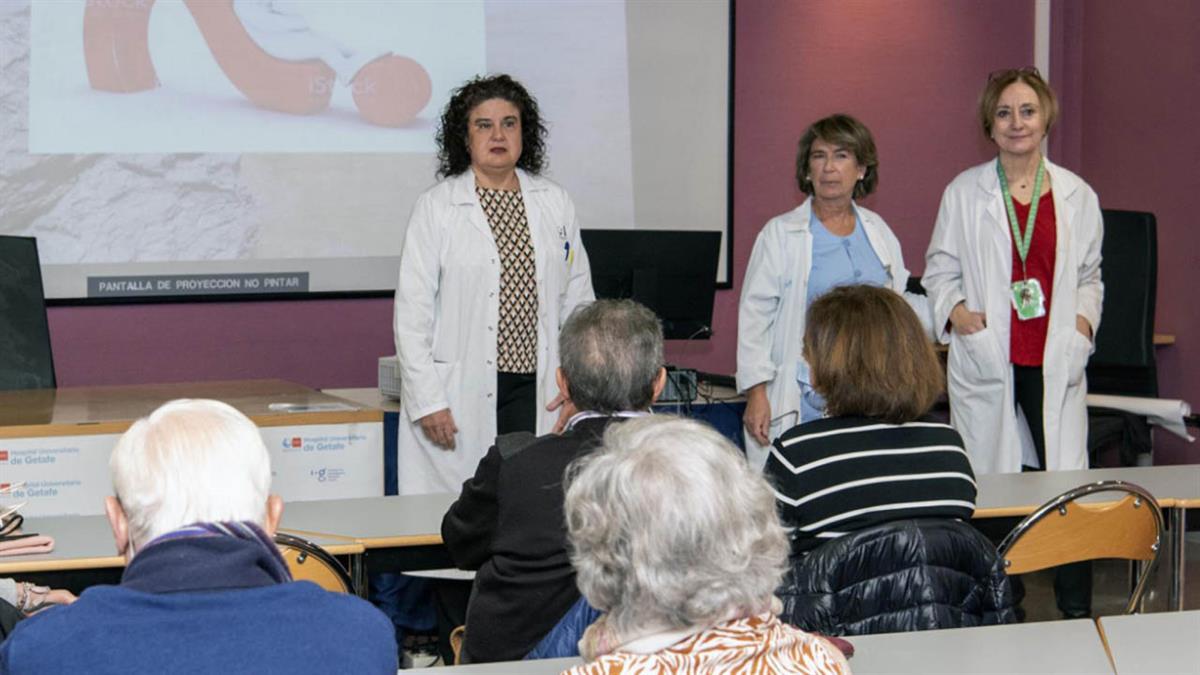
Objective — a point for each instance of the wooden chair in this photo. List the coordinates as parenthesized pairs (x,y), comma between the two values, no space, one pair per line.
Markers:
(1064,530)
(309,562)
(456,640)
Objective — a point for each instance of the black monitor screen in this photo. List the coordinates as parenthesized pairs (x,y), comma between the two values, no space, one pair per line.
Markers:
(25,358)
(671,272)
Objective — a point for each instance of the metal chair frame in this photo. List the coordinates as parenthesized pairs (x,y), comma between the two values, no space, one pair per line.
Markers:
(1060,505)
(306,549)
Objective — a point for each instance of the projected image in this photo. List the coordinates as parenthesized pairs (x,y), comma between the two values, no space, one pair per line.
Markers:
(172,147)
(246,75)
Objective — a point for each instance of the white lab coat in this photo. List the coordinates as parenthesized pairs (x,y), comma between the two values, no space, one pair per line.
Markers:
(447,311)
(773,307)
(970,259)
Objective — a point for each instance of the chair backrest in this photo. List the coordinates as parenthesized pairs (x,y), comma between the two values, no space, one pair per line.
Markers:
(1064,530)
(26,361)
(309,562)
(1123,362)
(456,640)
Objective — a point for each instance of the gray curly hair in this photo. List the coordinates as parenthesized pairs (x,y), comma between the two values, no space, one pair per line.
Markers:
(670,527)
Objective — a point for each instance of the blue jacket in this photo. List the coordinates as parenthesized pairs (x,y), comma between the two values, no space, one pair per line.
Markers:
(204,605)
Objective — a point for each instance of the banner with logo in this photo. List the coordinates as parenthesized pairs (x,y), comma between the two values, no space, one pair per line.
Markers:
(68,475)
(61,474)
(326,461)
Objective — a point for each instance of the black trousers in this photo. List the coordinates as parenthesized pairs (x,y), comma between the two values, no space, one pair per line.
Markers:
(516,402)
(1072,583)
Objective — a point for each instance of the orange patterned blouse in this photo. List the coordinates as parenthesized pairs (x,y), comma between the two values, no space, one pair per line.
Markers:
(758,644)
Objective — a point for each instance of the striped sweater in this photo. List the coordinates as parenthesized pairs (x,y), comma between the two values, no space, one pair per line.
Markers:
(842,474)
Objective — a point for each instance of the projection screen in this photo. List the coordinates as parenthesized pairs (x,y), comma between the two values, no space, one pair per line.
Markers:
(227,147)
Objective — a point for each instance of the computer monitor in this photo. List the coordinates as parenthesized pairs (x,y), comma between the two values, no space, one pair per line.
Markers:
(672,272)
(26,361)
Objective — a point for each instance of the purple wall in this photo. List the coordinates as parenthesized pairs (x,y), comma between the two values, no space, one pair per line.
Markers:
(890,65)
(319,343)
(911,71)
(1134,74)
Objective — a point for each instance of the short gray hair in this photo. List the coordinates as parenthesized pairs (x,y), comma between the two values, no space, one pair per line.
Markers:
(611,353)
(670,527)
(190,461)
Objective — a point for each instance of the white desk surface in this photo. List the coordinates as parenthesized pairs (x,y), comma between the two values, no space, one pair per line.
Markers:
(376,522)
(446,573)
(80,542)
(1047,648)
(1051,648)
(1015,494)
(1154,643)
(542,667)
(416,519)
(368,397)
(86,542)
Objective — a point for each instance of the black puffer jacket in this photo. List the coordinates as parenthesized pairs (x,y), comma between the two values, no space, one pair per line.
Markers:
(902,576)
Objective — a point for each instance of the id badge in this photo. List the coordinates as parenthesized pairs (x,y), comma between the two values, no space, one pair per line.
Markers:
(1028,300)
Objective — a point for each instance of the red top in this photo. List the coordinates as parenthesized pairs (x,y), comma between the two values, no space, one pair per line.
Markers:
(1027,339)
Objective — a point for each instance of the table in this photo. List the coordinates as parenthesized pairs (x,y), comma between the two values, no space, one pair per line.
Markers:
(57,441)
(1153,643)
(84,550)
(397,533)
(372,398)
(1177,488)
(413,522)
(1054,647)
(1019,494)
(1046,647)
(80,542)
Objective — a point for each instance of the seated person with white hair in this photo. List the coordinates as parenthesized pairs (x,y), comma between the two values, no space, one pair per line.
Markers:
(508,521)
(677,539)
(204,589)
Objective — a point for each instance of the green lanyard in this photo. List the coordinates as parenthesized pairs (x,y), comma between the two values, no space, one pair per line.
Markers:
(1022,242)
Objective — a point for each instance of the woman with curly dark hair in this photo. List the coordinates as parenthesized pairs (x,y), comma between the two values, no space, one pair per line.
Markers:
(454,156)
(492,265)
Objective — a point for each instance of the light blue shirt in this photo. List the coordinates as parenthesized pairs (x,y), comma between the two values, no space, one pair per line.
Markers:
(836,261)
(842,261)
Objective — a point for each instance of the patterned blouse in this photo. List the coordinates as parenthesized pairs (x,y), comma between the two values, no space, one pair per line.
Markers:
(758,644)
(516,341)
